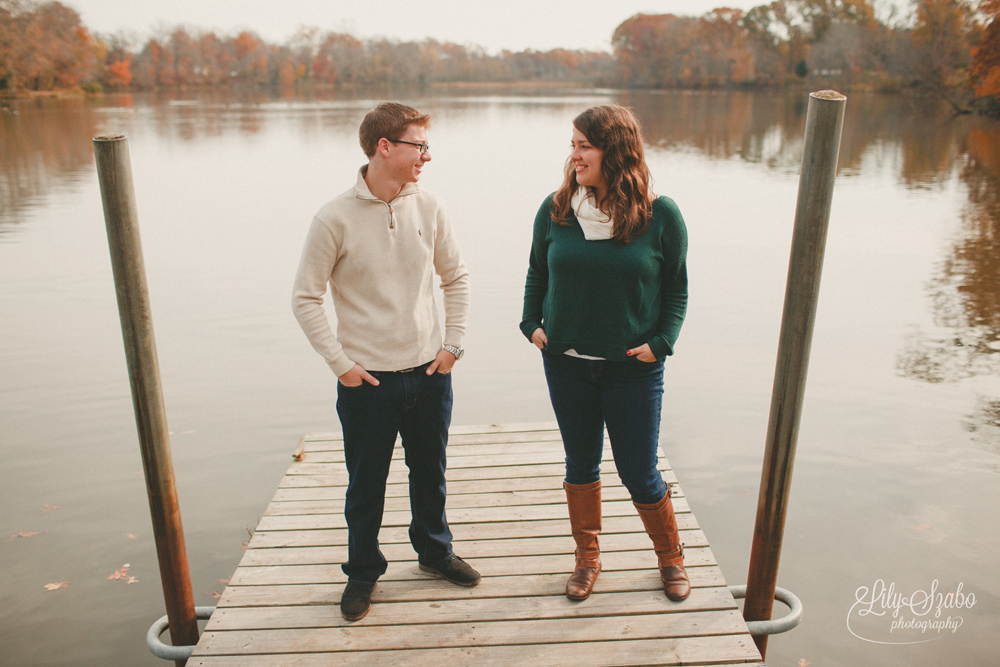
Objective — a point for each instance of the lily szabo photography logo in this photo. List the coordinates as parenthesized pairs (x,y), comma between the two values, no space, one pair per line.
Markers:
(885,614)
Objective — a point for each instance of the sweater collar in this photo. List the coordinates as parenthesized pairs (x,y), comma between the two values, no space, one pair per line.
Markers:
(361,190)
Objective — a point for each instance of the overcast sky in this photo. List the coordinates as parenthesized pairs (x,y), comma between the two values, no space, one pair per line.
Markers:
(498,24)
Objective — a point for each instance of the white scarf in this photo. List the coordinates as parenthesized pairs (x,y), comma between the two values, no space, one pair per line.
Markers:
(596,224)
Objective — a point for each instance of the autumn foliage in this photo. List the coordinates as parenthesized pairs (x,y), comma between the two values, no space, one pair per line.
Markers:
(946,47)
(985,67)
(44,47)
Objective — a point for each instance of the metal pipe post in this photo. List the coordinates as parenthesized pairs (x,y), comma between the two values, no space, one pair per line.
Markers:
(114,172)
(824,121)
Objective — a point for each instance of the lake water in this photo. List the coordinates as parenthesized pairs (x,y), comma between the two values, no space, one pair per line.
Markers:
(897,476)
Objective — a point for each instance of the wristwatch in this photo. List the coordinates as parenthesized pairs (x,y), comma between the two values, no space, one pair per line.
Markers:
(457,351)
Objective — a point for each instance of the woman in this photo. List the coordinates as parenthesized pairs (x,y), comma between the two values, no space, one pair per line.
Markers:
(604,300)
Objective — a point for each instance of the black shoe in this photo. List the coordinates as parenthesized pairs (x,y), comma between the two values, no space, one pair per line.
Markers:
(455,570)
(356,601)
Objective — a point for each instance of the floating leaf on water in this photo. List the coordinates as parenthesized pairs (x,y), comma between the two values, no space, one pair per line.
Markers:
(56,586)
(49,508)
(32,534)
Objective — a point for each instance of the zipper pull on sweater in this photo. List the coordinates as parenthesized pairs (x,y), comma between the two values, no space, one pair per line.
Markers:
(392,222)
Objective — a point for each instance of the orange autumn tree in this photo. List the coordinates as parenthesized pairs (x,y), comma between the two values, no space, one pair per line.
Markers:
(119,74)
(941,37)
(250,58)
(43,46)
(655,49)
(721,52)
(984,70)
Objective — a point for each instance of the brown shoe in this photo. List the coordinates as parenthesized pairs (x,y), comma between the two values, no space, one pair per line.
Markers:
(355,601)
(661,526)
(455,570)
(584,501)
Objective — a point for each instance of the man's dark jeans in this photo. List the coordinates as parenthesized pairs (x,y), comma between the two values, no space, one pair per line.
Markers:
(627,396)
(418,408)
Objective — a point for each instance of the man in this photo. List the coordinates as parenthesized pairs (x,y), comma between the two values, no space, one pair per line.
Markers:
(378,246)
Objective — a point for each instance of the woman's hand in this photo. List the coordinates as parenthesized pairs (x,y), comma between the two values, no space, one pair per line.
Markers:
(642,353)
(539,338)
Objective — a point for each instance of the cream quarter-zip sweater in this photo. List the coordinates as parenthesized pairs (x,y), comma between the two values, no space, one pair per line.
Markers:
(379,260)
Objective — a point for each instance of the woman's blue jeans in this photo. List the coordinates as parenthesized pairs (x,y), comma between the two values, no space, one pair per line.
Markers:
(627,396)
(416,406)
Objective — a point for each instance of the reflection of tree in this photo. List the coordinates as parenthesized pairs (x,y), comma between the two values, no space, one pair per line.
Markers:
(722,125)
(42,147)
(768,129)
(45,143)
(984,423)
(978,258)
(966,293)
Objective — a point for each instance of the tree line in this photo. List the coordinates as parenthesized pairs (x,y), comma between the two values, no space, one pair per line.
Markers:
(944,47)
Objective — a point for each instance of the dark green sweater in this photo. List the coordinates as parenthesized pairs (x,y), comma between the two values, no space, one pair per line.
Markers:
(602,298)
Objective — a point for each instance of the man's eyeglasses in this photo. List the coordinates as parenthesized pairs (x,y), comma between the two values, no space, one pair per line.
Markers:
(423,147)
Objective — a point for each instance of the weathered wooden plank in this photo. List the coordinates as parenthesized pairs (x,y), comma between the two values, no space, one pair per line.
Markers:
(553,451)
(472,445)
(547,440)
(535,585)
(486,429)
(398,484)
(400,500)
(334,518)
(477,610)
(398,503)
(468,533)
(462,530)
(613,502)
(408,570)
(478,455)
(469,460)
(457,455)
(534,546)
(323,464)
(497,633)
(398,472)
(717,650)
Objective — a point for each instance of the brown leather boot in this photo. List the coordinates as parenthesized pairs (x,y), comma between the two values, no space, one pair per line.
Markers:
(661,526)
(584,502)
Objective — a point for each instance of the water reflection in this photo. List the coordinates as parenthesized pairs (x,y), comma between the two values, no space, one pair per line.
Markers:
(42,145)
(965,293)
(984,425)
(242,384)
(46,142)
(763,129)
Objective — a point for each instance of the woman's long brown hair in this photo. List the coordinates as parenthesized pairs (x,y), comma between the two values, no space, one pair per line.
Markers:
(614,130)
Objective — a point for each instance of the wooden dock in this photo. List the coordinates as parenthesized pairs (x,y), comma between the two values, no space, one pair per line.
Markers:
(508,514)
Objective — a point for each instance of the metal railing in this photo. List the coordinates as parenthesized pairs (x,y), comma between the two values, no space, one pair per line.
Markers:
(775,625)
(165,651)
